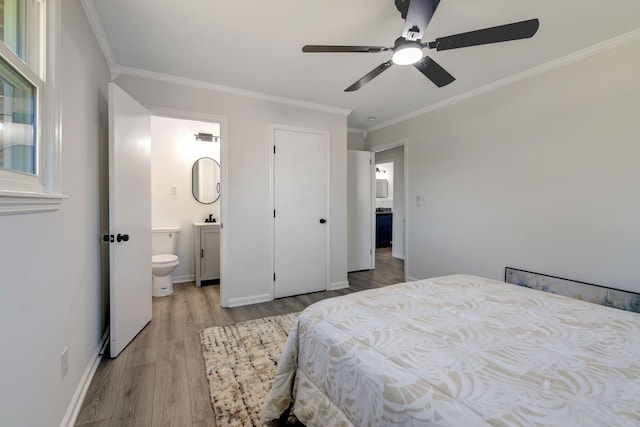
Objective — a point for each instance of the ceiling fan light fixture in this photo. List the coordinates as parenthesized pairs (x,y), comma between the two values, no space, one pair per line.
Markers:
(407,53)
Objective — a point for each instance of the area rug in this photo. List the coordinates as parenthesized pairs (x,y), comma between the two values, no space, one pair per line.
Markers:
(240,362)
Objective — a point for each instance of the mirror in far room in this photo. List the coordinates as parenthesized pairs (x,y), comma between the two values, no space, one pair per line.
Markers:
(206,180)
(382,188)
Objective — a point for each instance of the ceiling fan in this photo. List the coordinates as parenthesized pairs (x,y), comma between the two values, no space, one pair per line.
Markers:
(407,49)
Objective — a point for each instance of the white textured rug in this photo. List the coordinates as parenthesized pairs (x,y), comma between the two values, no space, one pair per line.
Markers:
(240,362)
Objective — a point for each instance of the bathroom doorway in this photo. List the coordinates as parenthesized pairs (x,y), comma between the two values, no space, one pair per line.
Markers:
(177,200)
(390,225)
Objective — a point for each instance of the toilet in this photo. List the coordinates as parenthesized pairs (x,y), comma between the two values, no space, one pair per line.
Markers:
(164,245)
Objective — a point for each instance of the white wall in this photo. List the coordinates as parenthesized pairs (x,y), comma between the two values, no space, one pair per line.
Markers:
(51,295)
(247,278)
(396,155)
(542,175)
(173,153)
(355,140)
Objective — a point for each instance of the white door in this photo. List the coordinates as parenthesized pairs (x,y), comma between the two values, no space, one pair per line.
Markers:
(360,210)
(129,218)
(300,204)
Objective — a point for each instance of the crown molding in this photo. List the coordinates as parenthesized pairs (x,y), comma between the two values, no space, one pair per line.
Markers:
(551,65)
(355,130)
(96,25)
(168,78)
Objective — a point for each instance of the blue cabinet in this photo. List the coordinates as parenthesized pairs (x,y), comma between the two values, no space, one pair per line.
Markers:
(384,226)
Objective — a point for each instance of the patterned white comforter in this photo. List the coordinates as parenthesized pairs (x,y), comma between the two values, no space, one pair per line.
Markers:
(459,351)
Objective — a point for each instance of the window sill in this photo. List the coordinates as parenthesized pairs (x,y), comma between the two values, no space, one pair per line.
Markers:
(18,202)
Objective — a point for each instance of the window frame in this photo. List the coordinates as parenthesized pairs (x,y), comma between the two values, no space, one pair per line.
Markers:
(22,193)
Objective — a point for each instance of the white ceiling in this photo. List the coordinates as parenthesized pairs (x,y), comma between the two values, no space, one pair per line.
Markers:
(256,45)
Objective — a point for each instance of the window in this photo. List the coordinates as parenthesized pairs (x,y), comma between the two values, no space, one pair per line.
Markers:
(29,111)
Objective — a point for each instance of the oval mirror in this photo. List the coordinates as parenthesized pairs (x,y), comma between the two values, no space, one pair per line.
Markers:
(205,180)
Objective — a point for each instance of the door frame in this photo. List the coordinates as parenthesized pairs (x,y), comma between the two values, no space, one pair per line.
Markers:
(404,142)
(271,144)
(224,182)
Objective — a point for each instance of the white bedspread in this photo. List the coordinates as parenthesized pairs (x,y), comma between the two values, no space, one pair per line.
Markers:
(459,351)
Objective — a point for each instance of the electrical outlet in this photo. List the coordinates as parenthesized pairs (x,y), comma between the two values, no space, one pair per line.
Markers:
(173,190)
(64,362)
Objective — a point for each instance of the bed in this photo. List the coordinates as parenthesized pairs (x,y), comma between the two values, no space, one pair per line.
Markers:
(459,351)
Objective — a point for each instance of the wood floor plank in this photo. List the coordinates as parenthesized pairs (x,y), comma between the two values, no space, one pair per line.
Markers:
(199,394)
(101,423)
(143,349)
(134,406)
(209,422)
(171,401)
(103,391)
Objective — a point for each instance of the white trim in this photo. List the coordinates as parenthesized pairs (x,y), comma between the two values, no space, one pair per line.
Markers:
(183,279)
(98,30)
(255,299)
(167,78)
(73,409)
(21,195)
(51,169)
(404,142)
(18,202)
(338,285)
(411,279)
(556,63)
(355,130)
(224,181)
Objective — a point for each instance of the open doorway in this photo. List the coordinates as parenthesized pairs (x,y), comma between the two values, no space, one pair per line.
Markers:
(390,208)
(376,206)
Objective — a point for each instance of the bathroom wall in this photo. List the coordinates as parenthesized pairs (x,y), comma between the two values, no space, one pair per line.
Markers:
(173,152)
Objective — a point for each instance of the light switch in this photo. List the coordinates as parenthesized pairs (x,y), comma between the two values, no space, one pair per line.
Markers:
(419,200)
(173,190)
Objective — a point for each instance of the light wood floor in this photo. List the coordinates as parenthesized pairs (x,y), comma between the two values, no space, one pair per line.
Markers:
(159,379)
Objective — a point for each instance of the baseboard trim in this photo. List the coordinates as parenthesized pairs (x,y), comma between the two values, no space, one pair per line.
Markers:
(411,279)
(338,285)
(73,409)
(183,279)
(254,299)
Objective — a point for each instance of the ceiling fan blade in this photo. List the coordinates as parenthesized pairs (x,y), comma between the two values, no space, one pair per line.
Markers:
(434,72)
(369,76)
(328,49)
(418,14)
(501,33)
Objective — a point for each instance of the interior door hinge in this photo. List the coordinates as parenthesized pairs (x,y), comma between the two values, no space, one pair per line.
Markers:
(274,149)
(274,213)
(274,277)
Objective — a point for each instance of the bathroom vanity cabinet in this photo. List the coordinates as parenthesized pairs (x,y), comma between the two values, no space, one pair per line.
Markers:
(207,251)
(384,226)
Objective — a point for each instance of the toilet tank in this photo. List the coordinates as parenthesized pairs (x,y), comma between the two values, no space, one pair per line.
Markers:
(164,240)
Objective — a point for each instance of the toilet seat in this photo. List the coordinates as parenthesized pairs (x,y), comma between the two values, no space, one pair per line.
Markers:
(164,259)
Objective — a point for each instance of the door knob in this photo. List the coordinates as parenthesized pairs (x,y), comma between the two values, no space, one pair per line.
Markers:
(322,220)
(122,237)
